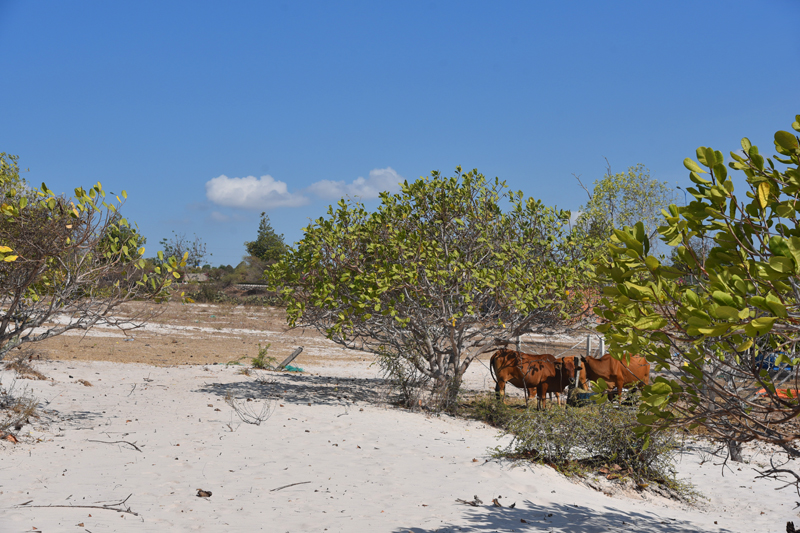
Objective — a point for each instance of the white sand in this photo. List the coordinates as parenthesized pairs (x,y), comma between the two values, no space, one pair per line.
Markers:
(363,466)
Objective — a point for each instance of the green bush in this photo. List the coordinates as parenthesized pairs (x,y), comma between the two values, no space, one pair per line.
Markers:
(262,361)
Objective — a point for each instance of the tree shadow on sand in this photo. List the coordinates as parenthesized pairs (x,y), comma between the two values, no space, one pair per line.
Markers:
(299,388)
(560,518)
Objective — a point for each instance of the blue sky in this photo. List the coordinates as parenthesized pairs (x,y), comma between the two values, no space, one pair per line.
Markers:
(208,113)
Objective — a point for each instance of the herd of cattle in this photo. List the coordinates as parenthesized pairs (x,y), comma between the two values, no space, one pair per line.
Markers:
(544,373)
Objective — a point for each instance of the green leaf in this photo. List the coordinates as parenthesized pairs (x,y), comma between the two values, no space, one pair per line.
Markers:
(784,265)
(759,326)
(660,387)
(723,298)
(775,305)
(779,246)
(786,140)
(692,166)
(714,331)
(724,311)
(650,322)
(745,345)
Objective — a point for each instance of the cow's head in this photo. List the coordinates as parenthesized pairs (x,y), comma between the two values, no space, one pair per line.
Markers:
(565,367)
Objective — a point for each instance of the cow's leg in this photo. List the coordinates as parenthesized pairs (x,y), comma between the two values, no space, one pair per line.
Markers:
(620,386)
(543,395)
(500,390)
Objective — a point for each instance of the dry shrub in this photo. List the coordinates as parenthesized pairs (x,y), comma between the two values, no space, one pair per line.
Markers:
(594,438)
(21,364)
(16,407)
(222,293)
(486,408)
(251,411)
(406,379)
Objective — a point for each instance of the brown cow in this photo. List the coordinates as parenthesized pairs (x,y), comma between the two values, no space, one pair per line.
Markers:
(615,373)
(542,373)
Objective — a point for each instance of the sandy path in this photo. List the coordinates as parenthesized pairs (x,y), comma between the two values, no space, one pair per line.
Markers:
(367,467)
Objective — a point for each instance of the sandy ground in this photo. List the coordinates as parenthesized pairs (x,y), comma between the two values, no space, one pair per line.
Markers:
(331,456)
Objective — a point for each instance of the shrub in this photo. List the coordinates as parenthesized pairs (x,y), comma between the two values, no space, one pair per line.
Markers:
(262,361)
(403,377)
(593,437)
(487,409)
(16,407)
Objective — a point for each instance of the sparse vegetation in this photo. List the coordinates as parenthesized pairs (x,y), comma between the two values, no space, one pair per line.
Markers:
(16,407)
(21,364)
(591,440)
(217,293)
(262,361)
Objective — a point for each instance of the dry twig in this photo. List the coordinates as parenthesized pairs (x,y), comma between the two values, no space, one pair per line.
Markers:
(117,442)
(109,507)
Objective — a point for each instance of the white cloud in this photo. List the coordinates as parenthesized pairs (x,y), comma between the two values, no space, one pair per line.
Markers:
(380,179)
(252,193)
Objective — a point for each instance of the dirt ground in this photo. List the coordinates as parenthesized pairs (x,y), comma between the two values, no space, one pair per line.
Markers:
(182,334)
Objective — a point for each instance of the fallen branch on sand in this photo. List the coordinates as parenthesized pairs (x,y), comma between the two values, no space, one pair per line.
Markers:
(109,507)
(289,485)
(117,442)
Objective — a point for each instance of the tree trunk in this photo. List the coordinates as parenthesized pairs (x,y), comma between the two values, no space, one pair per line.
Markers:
(735,451)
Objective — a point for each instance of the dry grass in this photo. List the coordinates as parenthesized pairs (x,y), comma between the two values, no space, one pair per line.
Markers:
(16,408)
(21,364)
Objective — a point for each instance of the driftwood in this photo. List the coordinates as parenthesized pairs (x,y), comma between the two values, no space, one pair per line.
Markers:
(290,358)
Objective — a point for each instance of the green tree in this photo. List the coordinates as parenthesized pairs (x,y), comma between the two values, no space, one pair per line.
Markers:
(66,263)
(622,199)
(268,246)
(709,323)
(438,275)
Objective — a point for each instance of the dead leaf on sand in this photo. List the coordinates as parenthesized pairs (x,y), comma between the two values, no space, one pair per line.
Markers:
(496,503)
(203,493)
(11,438)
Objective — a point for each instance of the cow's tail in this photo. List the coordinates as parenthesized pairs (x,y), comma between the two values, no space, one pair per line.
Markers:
(491,370)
